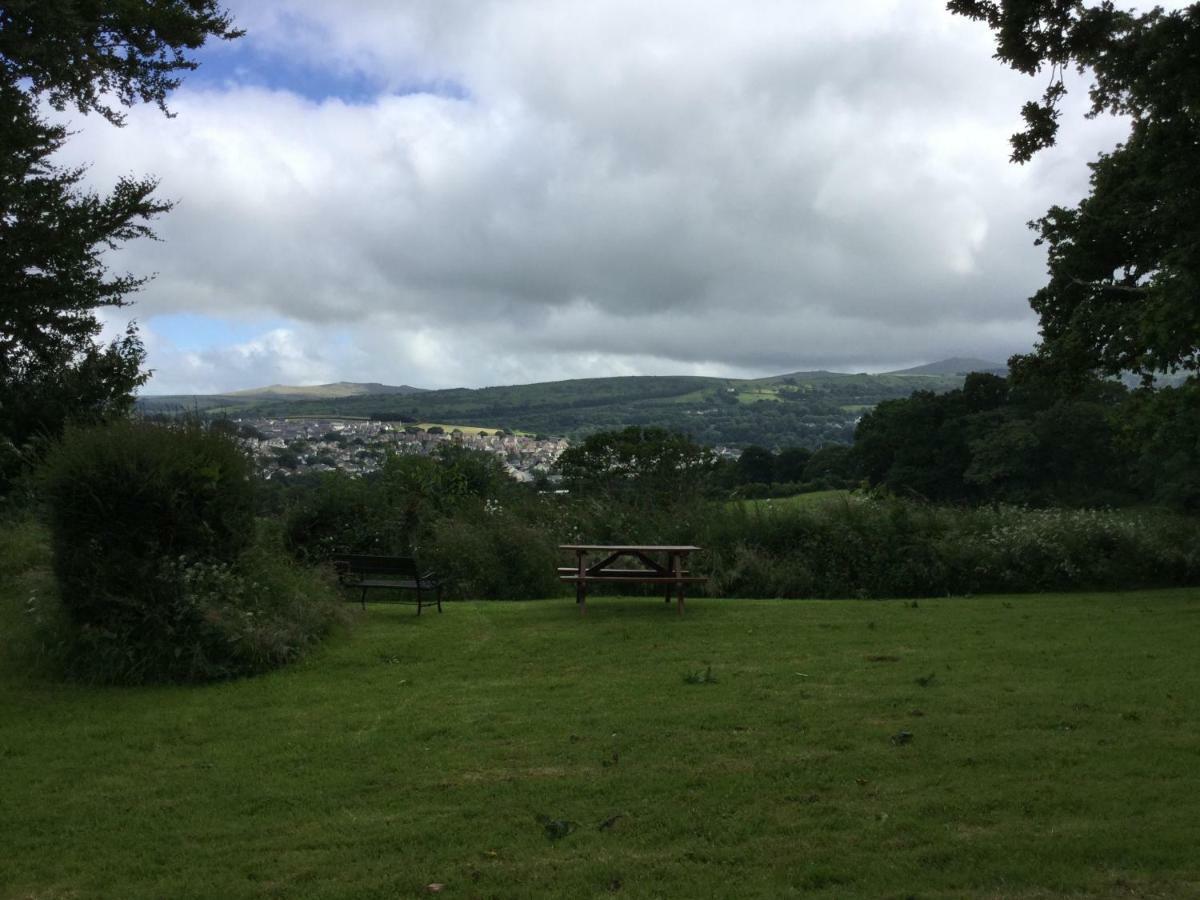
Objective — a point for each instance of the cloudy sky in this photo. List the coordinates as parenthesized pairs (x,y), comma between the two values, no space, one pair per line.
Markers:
(465,192)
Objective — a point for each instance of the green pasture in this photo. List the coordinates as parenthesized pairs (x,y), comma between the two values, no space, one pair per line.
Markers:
(465,429)
(754,396)
(1016,747)
(812,498)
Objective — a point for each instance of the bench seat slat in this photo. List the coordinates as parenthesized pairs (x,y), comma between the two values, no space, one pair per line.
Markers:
(621,573)
(653,579)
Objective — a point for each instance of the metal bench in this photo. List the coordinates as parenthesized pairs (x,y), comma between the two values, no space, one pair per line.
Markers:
(366,573)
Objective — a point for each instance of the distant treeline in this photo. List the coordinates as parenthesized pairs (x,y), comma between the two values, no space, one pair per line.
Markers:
(1031,440)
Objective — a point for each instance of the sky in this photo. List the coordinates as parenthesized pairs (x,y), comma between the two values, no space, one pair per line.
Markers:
(451,193)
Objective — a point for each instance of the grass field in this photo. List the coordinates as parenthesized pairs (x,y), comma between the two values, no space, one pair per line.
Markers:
(465,429)
(1006,747)
(812,498)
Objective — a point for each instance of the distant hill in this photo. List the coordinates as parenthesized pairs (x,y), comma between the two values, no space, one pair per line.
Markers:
(957,365)
(325,391)
(240,400)
(809,409)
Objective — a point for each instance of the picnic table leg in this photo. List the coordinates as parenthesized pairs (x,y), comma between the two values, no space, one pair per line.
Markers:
(581,585)
(677,571)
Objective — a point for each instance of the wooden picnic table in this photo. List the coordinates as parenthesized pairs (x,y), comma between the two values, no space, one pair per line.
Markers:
(663,564)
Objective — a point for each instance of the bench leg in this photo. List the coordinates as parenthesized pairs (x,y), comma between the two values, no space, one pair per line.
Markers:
(363,599)
(437,594)
(418,601)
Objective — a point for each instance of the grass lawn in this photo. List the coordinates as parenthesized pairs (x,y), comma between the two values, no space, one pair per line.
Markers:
(749,749)
(812,498)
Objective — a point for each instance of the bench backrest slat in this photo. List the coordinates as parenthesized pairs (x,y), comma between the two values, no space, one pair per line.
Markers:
(376,565)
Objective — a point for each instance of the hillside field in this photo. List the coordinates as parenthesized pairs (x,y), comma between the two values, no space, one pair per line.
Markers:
(1017,747)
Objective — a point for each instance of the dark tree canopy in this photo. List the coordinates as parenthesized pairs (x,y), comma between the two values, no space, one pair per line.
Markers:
(88,54)
(1124,265)
(84,52)
(52,237)
(1025,440)
(756,464)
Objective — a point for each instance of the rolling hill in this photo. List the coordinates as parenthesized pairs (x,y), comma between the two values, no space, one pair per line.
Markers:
(957,365)
(326,391)
(807,409)
(240,400)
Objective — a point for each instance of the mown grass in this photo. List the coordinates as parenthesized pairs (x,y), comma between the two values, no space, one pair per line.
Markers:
(749,749)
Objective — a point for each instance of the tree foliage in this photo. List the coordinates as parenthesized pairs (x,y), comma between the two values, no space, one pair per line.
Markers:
(82,53)
(1125,262)
(53,232)
(1026,440)
(52,279)
(638,462)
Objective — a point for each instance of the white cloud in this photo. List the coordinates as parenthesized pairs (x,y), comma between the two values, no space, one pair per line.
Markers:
(622,187)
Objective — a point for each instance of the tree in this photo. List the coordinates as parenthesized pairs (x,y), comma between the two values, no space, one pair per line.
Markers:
(756,465)
(53,233)
(641,463)
(833,466)
(1125,263)
(790,463)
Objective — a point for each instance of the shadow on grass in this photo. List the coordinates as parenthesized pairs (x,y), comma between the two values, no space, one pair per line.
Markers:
(624,607)
(395,613)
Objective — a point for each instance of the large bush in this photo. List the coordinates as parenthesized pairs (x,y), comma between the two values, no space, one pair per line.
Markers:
(160,572)
(338,514)
(484,551)
(392,511)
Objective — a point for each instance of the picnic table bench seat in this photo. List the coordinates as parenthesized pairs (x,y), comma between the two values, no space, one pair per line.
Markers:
(639,576)
(397,573)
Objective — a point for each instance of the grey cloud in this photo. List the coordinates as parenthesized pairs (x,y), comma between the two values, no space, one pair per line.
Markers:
(706,187)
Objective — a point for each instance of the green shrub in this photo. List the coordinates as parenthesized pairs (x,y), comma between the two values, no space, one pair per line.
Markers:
(340,515)
(161,574)
(485,552)
(390,512)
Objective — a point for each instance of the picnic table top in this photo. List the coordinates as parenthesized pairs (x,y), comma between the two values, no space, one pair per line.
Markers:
(638,548)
